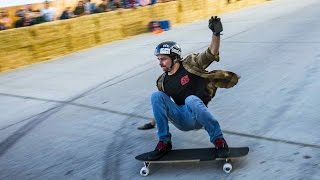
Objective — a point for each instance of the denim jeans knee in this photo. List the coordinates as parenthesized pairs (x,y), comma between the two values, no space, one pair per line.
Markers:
(158,96)
(191,99)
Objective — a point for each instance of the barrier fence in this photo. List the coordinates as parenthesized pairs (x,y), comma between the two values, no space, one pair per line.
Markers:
(23,46)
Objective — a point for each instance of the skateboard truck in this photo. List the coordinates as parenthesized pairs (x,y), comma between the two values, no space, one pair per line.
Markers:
(145,170)
(227,166)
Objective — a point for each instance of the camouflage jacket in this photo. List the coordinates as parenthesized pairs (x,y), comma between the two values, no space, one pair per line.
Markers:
(197,64)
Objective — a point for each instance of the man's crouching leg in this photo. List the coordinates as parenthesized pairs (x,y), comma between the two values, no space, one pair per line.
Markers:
(160,104)
(210,124)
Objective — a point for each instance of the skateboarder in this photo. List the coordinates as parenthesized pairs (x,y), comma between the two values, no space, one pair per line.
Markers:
(185,89)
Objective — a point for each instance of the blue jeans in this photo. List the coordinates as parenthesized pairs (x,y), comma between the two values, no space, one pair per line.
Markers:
(193,115)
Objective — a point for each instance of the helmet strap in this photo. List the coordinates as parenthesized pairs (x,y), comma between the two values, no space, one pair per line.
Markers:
(176,60)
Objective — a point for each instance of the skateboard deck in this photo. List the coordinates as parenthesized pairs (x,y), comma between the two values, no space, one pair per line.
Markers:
(193,155)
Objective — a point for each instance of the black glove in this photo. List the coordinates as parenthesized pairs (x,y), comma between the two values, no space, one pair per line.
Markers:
(215,25)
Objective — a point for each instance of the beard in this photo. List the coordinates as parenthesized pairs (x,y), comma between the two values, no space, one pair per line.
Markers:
(165,68)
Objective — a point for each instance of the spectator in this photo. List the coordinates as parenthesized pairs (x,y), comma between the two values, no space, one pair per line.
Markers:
(104,6)
(35,15)
(24,21)
(89,7)
(132,4)
(115,4)
(79,10)
(5,20)
(20,13)
(2,26)
(67,14)
(144,2)
(48,12)
(28,8)
(129,3)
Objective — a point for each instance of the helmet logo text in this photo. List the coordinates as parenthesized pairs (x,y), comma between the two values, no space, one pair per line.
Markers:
(164,51)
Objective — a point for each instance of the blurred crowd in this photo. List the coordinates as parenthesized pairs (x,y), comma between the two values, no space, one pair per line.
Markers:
(28,16)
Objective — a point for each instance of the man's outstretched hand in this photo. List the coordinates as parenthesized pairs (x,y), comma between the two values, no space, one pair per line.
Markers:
(215,25)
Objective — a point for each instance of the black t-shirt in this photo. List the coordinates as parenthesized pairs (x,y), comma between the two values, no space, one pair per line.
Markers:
(182,84)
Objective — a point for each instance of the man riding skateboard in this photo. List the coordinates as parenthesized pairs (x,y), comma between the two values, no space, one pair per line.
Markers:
(185,89)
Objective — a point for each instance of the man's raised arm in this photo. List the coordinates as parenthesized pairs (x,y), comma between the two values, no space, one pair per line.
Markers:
(216,27)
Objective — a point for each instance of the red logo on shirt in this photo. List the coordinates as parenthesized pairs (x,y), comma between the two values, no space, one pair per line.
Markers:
(184,80)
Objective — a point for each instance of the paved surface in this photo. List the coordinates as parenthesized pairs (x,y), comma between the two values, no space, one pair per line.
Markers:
(76,117)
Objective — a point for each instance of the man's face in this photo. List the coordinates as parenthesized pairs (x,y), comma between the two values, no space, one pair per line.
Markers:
(80,3)
(164,62)
(69,10)
(47,4)
(28,7)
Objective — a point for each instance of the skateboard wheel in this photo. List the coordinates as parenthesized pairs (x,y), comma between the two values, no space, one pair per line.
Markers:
(144,171)
(227,167)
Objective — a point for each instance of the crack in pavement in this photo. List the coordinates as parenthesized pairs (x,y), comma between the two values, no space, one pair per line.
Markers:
(7,143)
(278,42)
(271,139)
(12,139)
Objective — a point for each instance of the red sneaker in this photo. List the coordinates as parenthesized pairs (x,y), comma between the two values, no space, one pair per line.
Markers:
(161,149)
(222,147)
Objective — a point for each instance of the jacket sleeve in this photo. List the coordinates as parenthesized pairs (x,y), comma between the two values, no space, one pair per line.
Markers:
(204,59)
(160,82)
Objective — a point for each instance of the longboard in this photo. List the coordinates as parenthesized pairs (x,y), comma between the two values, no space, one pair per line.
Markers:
(193,155)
